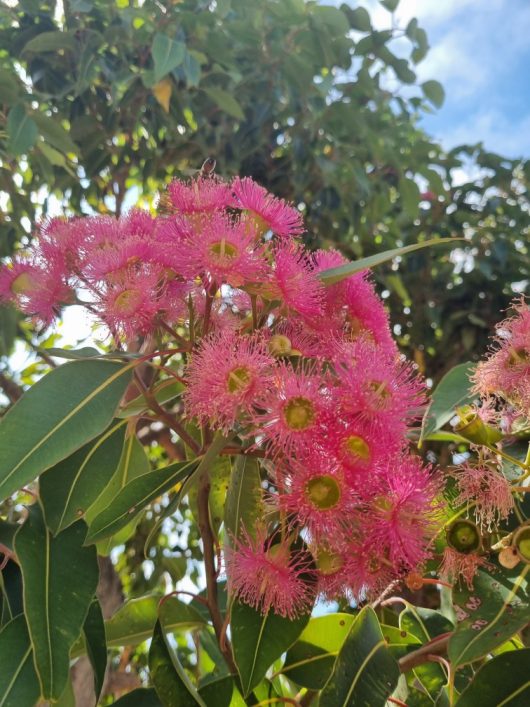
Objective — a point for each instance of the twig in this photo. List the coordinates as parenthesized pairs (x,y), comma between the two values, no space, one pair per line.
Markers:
(426,653)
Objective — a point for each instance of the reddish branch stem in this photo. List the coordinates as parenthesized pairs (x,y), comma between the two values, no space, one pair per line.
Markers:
(426,653)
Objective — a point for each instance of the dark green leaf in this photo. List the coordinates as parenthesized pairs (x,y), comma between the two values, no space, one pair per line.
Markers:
(505,680)
(141,697)
(333,275)
(171,682)
(167,55)
(60,579)
(11,591)
(310,661)
(21,130)
(219,693)
(451,392)
(226,102)
(365,672)
(54,133)
(7,533)
(18,680)
(489,614)
(243,499)
(360,19)
(70,487)
(410,197)
(96,644)
(390,5)
(9,87)
(434,91)
(68,407)
(50,42)
(134,497)
(258,640)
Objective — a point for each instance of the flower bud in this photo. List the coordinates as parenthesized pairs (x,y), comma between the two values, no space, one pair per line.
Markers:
(471,427)
(464,537)
(509,557)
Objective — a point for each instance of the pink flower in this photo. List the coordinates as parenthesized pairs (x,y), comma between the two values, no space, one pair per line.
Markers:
(460,566)
(129,307)
(332,562)
(315,490)
(401,511)
(269,213)
(223,249)
(292,409)
(226,374)
(368,570)
(198,196)
(487,491)
(294,282)
(270,576)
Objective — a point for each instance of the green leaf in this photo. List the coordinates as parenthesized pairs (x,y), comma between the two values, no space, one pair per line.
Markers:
(310,661)
(434,91)
(489,614)
(220,693)
(7,533)
(54,157)
(70,487)
(171,682)
(167,55)
(258,640)
(134,497)
(359,19)
(60,579)
(9,87)
(51,42)
(65,409)
(226,102)
(505,680)
(141,697)
(133,463)
(11,591)
(390,5)
(165,393)
(243,500)
(18,680)
(333,275)
(21,130)
(96,644)
(133,623)
(410,196)
(365,672)
(451,392)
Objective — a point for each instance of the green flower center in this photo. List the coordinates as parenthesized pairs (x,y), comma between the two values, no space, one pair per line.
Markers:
(518,357)
(128,301)
(23,284)
(522,543)
(356,448)
(323,492)
(329,562)
(464,537)
(280,345)
(299,413)
(223,252)
(238,379)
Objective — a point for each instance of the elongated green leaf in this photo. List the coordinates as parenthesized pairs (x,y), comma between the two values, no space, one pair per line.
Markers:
(220,693)
(64,410)
(451,392)
(70,487)
(134,622)
(50,41)
(54,133)
(333,275)
(489,614)
(243,499)
(310,661)
(141,697)
(11,591)
(18,680)
(164,393)
(225,101)
(134,497)
(167,55)
(10,86)
(7,533)
(133,463)
(505,680)
(365,672)
(171,682)
(258,640)
(96,644)
(21,130)
(60,578)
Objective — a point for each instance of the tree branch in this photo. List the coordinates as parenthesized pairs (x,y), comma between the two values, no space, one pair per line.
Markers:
(425,654)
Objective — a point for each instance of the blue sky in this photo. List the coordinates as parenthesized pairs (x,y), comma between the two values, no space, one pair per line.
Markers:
(480,52)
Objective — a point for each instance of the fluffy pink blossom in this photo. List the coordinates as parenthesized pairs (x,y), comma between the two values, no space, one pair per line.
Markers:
(223,249)
(292,409)
(458,566)
(294,282)
(401,511)
(269,213)
(198,196)
(485,489)
(270,576)
(226,374)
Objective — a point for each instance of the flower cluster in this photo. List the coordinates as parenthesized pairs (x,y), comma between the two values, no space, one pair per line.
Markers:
(306,375)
